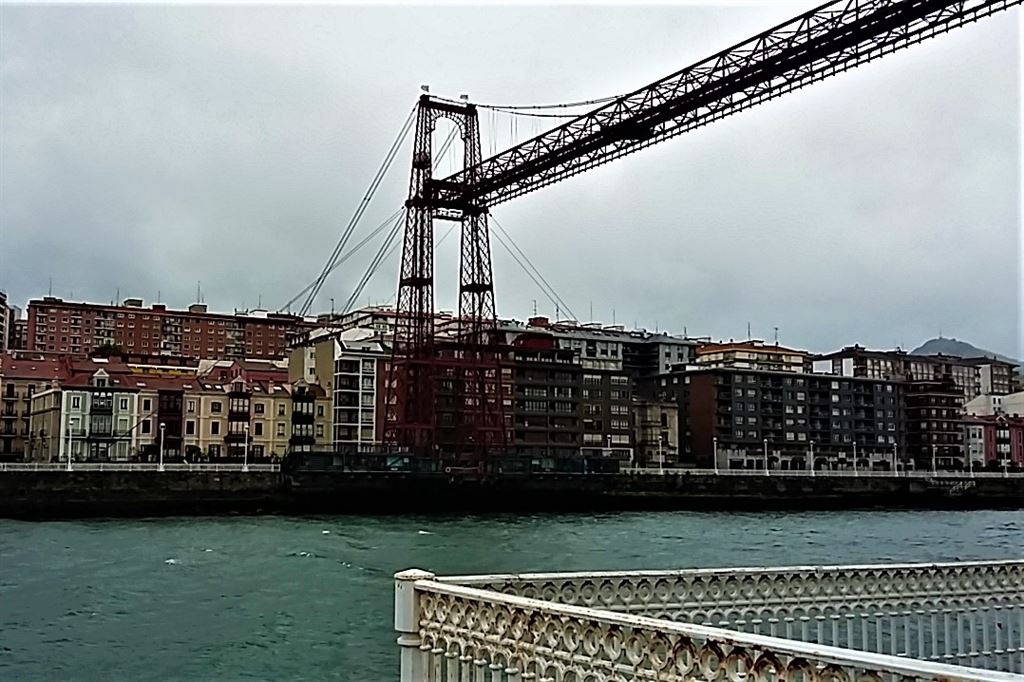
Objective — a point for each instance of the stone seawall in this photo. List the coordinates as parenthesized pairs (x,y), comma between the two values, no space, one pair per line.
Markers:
(41,494)
(52,494)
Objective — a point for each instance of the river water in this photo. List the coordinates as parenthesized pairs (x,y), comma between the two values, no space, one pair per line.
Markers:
(286,598)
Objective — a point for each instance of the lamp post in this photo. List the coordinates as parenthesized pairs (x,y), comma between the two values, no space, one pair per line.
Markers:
(854,457)
(935,469)
(160,466)
(895,465)
(714,446)
(970,463)
(661,452)
(766,457)
(811,451)
(245,450)
(71,439)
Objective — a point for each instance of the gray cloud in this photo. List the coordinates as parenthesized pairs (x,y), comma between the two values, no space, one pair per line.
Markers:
(146,148)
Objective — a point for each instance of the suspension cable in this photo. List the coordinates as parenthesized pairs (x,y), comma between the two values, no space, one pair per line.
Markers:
(361,208)
(338,260)
(390,244)
(527,260)
(375,263)
(351,252)
(562,105)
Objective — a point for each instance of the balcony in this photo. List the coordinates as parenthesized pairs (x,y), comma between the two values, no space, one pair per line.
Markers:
(957,621)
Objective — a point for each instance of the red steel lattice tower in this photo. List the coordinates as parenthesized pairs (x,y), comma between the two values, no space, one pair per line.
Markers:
(444,388)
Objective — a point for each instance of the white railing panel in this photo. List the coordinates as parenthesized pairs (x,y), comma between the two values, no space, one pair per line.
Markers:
(966,612)
(465,633)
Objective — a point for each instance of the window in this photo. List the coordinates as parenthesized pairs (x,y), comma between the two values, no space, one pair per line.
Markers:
(280,409)
(147,404)
(257,429)
(76,401)
(190,427)
(257,408)
(191,406)
(147,426)
(319,410)
(215,407)
(280,429)
(319,430)
(123,403)
(214,428)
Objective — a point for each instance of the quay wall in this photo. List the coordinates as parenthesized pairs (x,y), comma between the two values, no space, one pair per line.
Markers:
(63,494)
(59,494)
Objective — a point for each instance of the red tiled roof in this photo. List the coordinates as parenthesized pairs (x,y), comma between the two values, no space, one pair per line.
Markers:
(23,365)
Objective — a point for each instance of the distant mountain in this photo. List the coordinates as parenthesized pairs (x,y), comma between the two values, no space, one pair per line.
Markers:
(955,347)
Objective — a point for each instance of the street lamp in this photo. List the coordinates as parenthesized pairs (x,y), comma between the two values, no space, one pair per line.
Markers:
(766,457)
(160,466)
(714,445)
(661,452)
(854,457)
(245,451)
(895,466)
(935,469)
(71,439)
(811,451)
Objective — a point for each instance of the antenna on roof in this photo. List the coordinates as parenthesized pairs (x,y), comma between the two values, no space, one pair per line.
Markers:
(49,291)
(776,336)
(748,332)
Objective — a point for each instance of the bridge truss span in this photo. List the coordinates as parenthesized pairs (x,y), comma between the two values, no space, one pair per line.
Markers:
(827,40)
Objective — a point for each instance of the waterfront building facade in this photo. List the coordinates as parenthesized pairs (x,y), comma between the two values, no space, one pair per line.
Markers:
(972,376)
(22,375)
(73,328)
(546,395)
(656,426)
(782,420)
(932,419)
(91,415)
(994,441)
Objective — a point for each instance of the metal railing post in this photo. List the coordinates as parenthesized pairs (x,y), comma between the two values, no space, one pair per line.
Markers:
(407,624)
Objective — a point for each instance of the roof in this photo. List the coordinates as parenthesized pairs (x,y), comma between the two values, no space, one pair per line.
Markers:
(756,346)
(31,365)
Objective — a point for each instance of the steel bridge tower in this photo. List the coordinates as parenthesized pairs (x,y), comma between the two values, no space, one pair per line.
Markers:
(444,392)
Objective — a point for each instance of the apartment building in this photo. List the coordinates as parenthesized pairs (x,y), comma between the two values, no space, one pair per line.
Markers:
(932,416)
(91,415)
(273,417)
(755,355)
(973,376)
(546,398)
(6,321)
(22,375)
(657,433)
(994,441)
(787,420)
(990,405)
(604,391)
(75,328)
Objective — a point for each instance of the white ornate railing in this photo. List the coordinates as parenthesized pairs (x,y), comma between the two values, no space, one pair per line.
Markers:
(854,623)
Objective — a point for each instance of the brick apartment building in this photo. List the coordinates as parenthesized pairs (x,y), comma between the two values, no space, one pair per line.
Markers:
(55,325)
(22,375)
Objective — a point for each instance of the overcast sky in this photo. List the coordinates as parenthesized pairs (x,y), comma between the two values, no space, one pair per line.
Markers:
(146,148)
